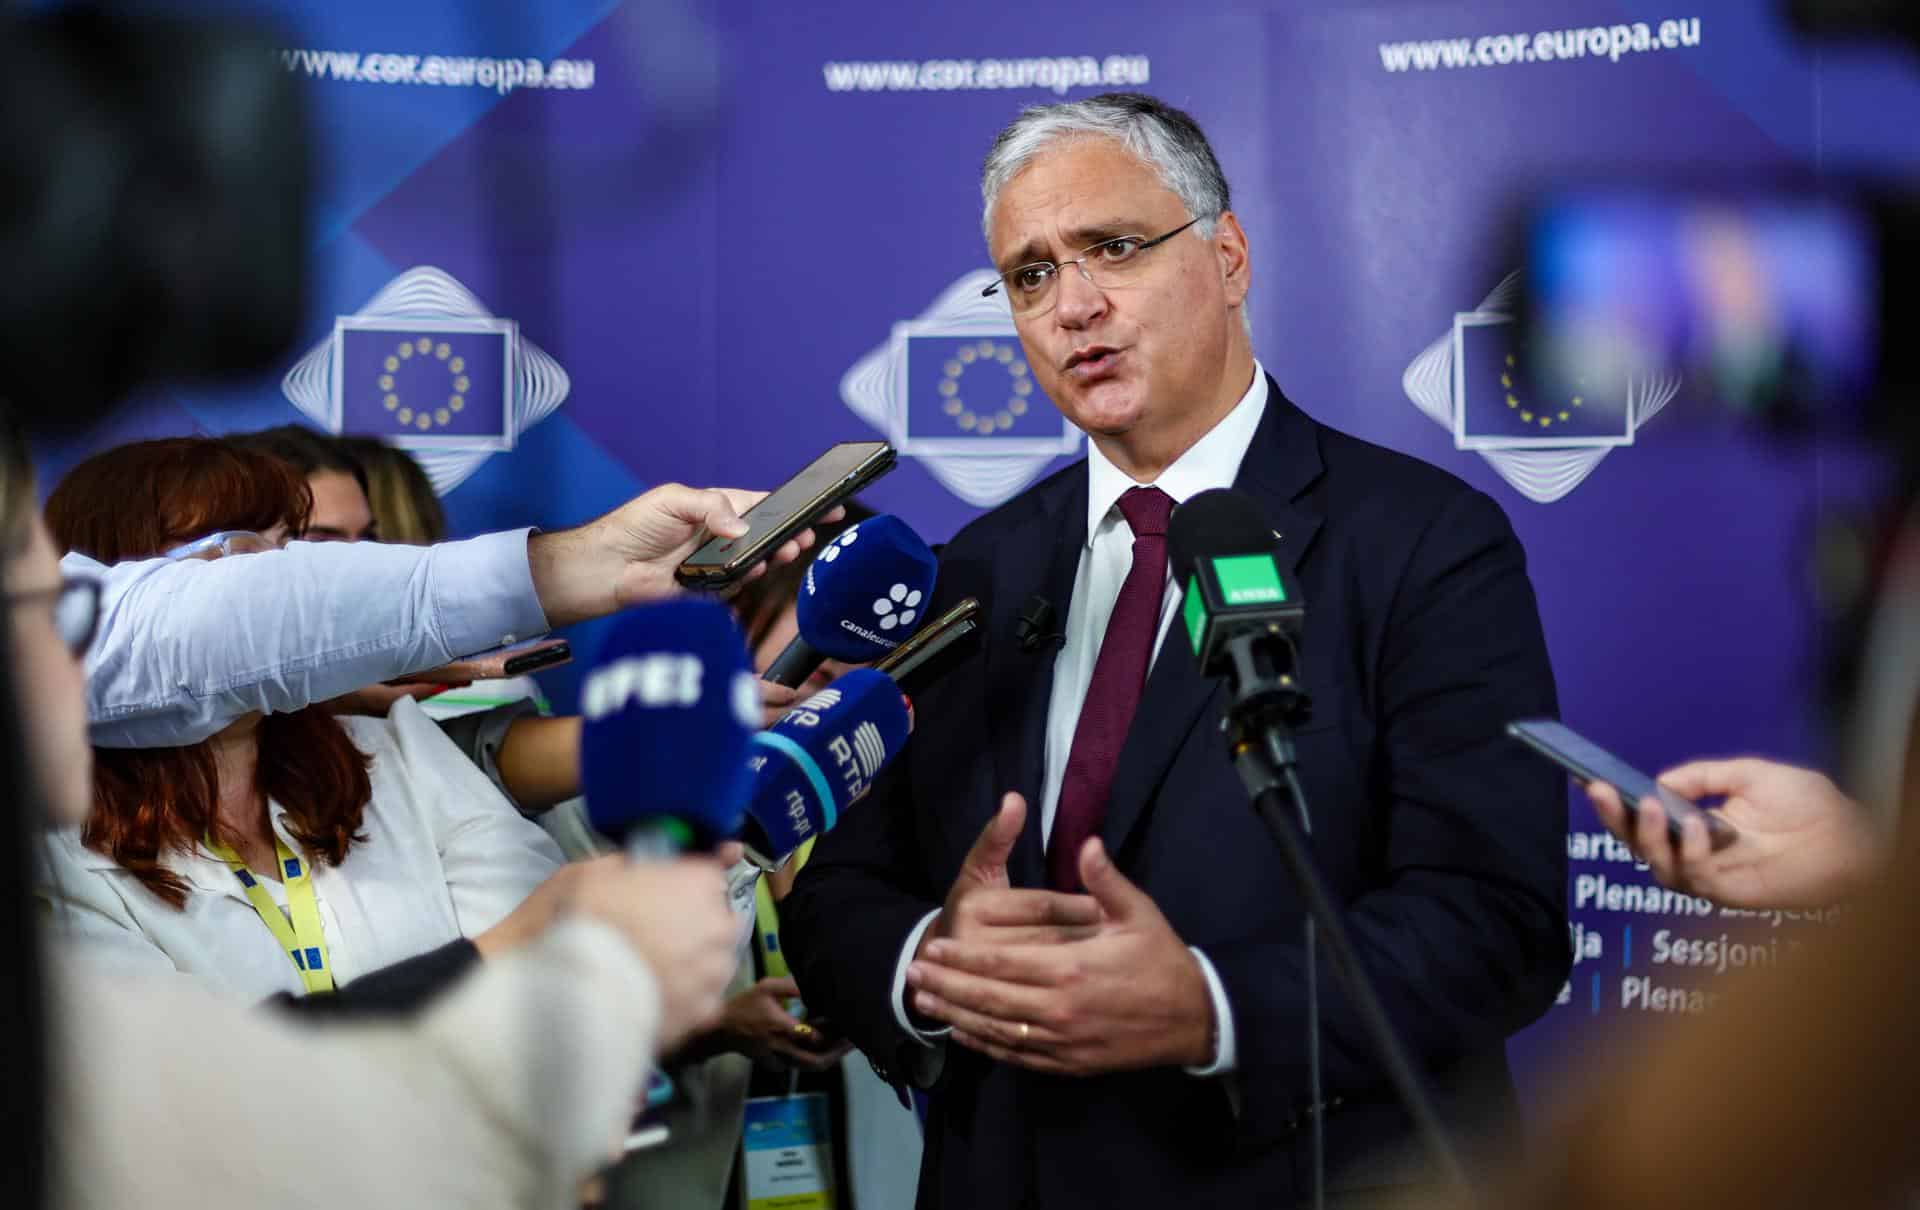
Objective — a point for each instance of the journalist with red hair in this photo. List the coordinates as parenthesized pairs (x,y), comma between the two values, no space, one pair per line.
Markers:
(289,852)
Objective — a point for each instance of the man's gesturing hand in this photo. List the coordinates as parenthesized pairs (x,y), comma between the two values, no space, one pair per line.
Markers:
(1126,995)
(983,907)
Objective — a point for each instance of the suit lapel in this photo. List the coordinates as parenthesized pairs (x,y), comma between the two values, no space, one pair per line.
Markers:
(1282,461)
(1043,561)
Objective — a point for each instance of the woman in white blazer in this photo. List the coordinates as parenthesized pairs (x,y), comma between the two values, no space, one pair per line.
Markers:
(290,852)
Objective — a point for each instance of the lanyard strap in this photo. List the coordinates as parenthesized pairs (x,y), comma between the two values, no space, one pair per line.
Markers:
(302,939)
(767,918)
(772,960)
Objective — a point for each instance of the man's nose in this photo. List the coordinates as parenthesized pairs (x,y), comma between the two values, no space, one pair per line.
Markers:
(1077,300)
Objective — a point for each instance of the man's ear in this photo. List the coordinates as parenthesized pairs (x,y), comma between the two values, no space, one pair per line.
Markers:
(1236,268)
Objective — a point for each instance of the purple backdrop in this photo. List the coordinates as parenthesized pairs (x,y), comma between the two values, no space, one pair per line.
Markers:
(726,243)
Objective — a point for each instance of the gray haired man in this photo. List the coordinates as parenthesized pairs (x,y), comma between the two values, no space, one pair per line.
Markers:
(1058,909)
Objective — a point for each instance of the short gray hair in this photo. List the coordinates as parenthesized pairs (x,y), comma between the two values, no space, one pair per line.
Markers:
(1163,138)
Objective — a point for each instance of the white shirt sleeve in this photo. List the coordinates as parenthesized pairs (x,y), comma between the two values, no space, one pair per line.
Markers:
(504,1094)
(493,857)
(926,1037)
(187,646)
(1226,1055)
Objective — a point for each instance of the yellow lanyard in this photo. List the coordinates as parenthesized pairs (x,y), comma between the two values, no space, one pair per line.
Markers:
(303,939)
(774,962)
(767,918)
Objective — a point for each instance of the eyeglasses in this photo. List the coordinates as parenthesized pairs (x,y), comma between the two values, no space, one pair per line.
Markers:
(76,610)
(1113,262)
(226,542)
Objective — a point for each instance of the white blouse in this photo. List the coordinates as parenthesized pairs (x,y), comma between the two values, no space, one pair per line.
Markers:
(445,855)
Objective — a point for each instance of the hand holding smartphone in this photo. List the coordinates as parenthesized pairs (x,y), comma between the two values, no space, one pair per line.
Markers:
(828,480)
(1586,761)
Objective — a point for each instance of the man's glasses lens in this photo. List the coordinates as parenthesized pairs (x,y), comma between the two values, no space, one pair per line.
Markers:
(1109,263)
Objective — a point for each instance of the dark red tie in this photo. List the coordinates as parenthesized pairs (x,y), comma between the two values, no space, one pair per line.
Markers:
(1119,676)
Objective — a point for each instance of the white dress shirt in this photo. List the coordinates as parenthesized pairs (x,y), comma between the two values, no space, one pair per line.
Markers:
(445,856)
(186,646)
(1211,462)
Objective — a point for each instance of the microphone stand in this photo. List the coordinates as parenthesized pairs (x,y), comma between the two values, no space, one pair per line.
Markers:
(1265,707)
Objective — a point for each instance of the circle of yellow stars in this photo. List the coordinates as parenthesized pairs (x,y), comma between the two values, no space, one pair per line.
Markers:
(1526,414)
(423,419)
(985,421)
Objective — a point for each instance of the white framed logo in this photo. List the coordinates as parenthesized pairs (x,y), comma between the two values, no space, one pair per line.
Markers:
(951,387)
(1469,381)
(428,367)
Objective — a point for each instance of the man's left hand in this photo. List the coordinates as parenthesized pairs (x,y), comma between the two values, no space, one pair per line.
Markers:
(1131,996)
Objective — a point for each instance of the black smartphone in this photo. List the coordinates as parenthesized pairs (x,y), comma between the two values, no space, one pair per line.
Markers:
(1588,761)
(512,660)
(832,477)
(937,636)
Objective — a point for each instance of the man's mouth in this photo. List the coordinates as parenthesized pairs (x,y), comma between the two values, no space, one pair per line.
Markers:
(1087,362)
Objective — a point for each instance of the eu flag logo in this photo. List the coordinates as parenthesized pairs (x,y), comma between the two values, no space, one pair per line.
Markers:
(422,380)
(968,387)
(425,365)
(951,387)
(1500,406)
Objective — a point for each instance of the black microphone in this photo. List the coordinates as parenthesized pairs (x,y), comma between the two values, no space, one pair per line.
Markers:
(1034,628)
(1243,613)
(1245,616)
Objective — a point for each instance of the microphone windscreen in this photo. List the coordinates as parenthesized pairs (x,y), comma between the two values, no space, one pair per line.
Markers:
(1220,521)
(667,711)
(822,755)
(866,590)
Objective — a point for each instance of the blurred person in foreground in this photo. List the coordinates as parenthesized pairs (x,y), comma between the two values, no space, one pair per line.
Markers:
(505,1094)
(292,851)
(1801,1086)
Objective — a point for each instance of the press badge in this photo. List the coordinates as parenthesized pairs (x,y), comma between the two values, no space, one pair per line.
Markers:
(789,1149)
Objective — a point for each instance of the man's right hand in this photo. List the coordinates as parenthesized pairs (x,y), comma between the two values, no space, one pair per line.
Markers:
(1801,843)
(985,908)
(628,556)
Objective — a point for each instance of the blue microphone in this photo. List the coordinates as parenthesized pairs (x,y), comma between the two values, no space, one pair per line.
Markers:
(864,592)
(820,757)
(667,713)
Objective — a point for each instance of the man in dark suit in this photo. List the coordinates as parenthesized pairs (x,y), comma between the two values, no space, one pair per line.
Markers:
(1058,910)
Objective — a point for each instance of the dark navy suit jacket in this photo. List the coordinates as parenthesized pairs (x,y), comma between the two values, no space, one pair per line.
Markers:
(1444,840)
